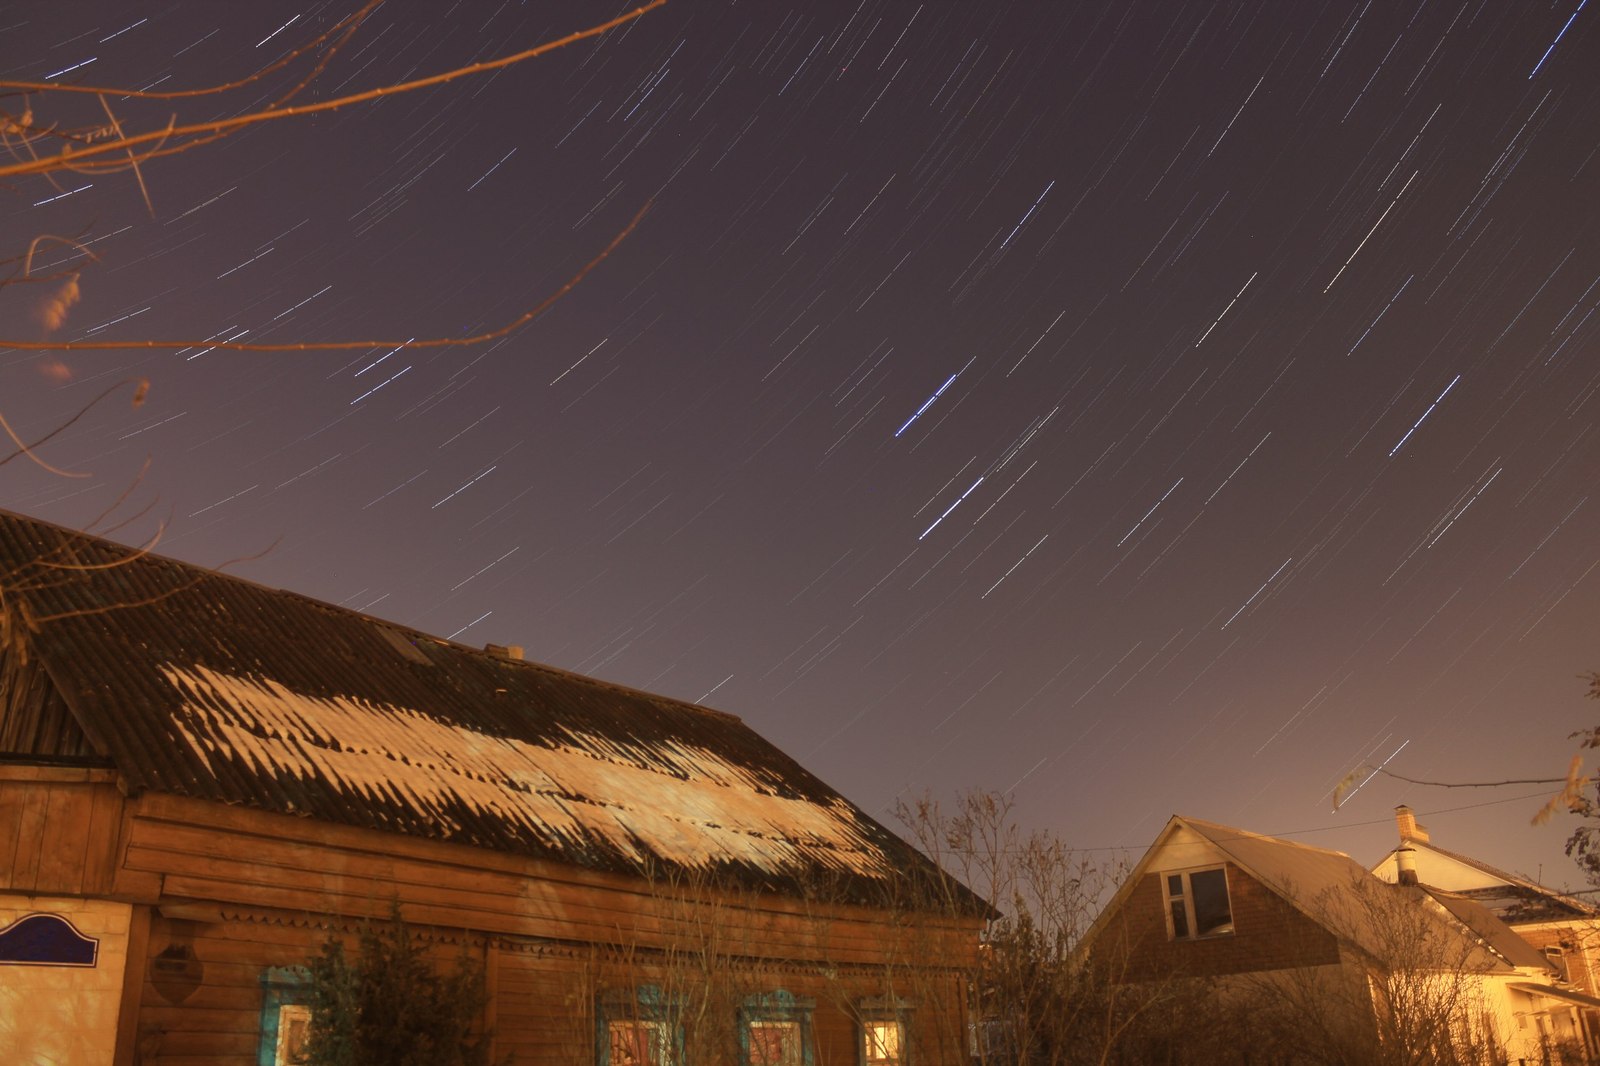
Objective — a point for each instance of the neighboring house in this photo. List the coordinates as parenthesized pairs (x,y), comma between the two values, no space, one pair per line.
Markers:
(1272,927)
(1566,929)
(206,778)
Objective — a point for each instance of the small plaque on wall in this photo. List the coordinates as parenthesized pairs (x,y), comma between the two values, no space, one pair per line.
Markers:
(46,940)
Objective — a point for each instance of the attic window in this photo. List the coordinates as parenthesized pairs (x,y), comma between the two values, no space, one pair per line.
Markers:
(1198,904)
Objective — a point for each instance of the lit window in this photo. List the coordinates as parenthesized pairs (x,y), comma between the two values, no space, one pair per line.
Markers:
(775,1044)
(882,1042)
(294,1025)
(1197,903)
(638,1027)
(639,1043)
(775,1029)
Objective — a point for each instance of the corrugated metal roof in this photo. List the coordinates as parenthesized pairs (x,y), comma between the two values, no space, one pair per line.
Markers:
(205,685)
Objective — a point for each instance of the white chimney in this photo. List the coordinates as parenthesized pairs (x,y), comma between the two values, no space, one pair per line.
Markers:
(1405,864)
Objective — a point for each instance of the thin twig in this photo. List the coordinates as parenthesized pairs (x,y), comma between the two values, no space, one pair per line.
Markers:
(316,346)
(348,25)
(141,386)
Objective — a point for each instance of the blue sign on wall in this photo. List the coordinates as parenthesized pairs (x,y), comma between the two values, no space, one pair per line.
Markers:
(46,940)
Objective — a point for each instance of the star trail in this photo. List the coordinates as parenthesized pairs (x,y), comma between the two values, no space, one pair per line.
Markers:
(1147,406)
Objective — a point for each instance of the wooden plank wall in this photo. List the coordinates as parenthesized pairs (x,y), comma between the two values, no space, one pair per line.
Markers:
(59,829)
(545,996)
(229,893)
(220,1019)
(547,1007)
(256,859)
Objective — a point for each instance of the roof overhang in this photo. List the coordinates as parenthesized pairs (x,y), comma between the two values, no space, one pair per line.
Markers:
(1552,992)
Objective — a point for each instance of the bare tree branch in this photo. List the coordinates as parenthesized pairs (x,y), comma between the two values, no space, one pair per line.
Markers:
(90,157)
(312,346)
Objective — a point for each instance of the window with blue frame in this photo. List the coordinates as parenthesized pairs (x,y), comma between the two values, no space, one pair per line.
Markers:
(637,1028)
(285,1016)
(775,1030)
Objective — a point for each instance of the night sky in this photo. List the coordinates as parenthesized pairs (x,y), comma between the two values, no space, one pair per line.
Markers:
(1141,407)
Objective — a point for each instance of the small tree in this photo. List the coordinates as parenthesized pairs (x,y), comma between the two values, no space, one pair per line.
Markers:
(1034,998)
(1411,988)
(391,1007)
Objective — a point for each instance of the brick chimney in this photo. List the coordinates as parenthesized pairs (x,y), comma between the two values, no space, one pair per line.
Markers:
(505,651)
(1406,821)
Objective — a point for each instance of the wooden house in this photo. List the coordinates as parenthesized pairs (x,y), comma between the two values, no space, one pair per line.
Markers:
(1311,953)
(204,779)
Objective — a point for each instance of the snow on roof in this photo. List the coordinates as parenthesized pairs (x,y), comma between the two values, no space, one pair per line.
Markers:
(566,796)
(205,685)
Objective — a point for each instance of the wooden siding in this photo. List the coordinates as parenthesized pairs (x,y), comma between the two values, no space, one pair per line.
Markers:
(1269,934)
(59,828)
(222,894)
(545,998)
(205,851)
(547,1005)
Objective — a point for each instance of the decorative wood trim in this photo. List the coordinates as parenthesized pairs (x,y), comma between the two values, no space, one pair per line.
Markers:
(132,986)
(491,988)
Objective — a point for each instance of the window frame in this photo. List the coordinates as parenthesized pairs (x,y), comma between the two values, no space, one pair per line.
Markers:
(877,1012)
(660,1036)
(643,1006)
(777,1007)
(1184,901)
(281,987)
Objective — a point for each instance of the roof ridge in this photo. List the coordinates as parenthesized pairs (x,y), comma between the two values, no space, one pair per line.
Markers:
(148,552)
(1246,834)
(484,652)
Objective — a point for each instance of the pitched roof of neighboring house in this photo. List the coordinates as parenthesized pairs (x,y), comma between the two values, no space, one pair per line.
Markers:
(1512,898)
(204,685)
(1338,893)
(1499,936)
